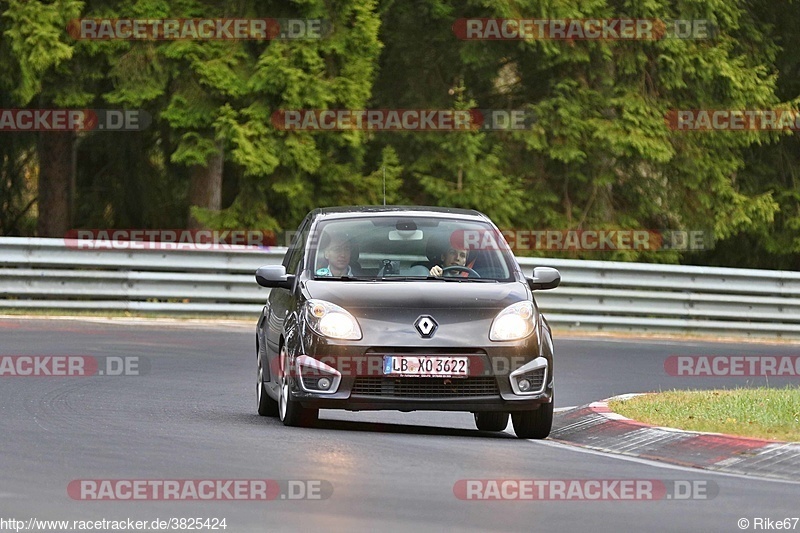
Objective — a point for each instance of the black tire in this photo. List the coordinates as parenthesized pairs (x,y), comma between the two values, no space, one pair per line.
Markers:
(534,424)
(266,405)
(290,411)
(491,421)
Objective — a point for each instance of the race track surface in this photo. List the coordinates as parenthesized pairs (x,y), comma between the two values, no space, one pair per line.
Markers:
(192,416)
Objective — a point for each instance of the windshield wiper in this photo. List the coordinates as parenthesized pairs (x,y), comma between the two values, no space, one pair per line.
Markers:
(460,279)
(434,278)
(405,278)
(344,278)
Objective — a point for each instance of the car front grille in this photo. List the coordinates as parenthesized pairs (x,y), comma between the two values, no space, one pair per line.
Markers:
(424,388)
(536,378)
(311,383)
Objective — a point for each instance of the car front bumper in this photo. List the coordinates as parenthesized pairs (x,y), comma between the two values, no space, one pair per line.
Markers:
(358,383)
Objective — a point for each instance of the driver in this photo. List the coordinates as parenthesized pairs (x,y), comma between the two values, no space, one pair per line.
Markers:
(452,257)
(337,252)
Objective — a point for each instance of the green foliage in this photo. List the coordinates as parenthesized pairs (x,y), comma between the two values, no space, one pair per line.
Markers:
(33,32)
(599,155)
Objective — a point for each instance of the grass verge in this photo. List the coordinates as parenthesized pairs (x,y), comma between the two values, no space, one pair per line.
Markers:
(766,413)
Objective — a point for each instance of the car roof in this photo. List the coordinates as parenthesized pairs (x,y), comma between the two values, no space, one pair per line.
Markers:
(411,210)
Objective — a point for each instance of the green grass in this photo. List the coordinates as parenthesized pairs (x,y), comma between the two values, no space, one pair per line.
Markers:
(765,413)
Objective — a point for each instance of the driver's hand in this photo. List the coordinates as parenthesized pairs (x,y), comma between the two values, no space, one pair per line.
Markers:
(436,271)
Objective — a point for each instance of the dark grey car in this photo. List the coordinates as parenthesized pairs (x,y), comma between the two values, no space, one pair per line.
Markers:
(359,318)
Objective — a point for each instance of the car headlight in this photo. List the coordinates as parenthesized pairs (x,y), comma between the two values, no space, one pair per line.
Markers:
(515,322)
(330,320)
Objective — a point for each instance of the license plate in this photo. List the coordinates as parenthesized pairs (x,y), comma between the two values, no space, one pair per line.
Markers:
(425,366)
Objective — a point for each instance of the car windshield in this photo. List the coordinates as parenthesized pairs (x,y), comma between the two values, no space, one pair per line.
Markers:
(399,248)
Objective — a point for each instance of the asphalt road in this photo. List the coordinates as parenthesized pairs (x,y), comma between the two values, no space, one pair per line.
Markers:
(192,416)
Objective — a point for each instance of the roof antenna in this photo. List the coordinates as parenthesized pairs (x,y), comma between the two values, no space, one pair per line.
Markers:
(384,184)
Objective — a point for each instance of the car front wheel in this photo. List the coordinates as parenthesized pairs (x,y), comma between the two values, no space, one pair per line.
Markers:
(490,421)
(534,424)
(266,405)
(290,411)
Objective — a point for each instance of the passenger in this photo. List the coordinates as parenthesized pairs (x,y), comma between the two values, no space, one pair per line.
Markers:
(337,252)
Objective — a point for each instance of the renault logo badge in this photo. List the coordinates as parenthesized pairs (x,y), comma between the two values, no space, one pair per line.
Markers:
(426,326)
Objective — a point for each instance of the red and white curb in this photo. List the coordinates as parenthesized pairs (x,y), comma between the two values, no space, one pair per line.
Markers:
(595,426)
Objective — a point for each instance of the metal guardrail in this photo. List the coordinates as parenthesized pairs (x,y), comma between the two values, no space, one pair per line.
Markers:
(597,295)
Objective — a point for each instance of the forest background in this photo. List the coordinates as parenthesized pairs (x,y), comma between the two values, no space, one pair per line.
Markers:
(600,154)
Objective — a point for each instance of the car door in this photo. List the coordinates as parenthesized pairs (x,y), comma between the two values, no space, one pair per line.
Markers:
(281,302)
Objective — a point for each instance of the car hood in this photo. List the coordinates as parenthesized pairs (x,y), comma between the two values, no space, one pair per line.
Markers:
(388,310)
(417,294)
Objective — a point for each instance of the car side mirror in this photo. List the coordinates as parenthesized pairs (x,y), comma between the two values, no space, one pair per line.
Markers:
(274,277)
(544,278)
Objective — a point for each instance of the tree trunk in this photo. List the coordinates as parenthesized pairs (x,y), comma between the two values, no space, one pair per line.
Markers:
(205,189)
(55,176)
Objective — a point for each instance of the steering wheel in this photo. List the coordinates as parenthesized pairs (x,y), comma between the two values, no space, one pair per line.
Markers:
(459,268)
